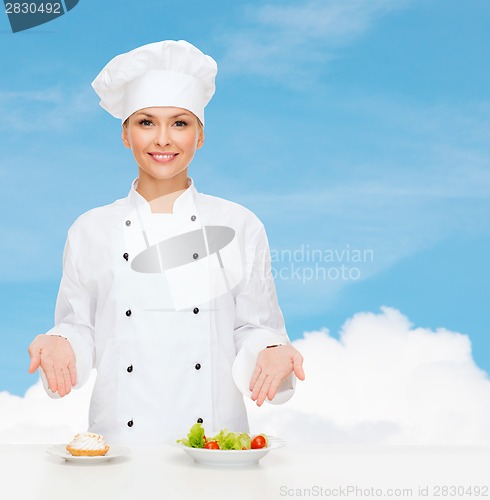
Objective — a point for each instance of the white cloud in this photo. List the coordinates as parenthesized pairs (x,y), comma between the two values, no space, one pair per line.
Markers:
(332,20)
(383,382)
(51,109)
(283,40)
(36,418)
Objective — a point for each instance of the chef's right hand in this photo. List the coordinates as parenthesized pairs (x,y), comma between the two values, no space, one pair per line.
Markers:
(55,356)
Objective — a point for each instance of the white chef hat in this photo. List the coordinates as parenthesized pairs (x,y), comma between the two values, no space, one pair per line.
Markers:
(168,73)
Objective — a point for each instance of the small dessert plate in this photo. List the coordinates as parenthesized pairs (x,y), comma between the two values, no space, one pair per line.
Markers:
(115,451)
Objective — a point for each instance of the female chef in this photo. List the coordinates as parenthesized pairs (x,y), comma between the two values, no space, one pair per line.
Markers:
(168,292)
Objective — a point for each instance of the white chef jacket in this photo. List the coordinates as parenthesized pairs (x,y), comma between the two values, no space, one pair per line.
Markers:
(161,368)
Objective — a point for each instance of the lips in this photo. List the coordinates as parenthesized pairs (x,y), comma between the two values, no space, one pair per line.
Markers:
(163,157)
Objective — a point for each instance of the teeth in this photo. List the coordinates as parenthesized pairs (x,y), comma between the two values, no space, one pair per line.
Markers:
(163,157)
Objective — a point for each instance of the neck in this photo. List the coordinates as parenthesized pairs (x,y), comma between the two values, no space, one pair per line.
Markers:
(161,193)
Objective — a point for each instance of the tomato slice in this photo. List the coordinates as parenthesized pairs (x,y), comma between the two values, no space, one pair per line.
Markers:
(211,445)
(259,442)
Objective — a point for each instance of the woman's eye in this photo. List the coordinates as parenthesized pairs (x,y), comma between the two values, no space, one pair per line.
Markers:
(180,123)
(145,123)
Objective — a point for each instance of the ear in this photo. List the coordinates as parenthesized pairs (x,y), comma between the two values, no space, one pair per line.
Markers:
(124,136)
(200,139)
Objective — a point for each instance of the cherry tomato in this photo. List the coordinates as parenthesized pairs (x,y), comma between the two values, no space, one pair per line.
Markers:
(259,442)
(211,445)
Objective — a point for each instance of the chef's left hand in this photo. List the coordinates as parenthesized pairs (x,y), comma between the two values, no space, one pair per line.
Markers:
(274,364)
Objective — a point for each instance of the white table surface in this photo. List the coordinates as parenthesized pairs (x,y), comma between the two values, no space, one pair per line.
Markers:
(27,472)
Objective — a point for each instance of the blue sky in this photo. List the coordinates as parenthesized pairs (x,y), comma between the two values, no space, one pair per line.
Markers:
(349,127)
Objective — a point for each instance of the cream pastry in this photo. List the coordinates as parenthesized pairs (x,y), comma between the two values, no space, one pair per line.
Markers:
(88,444)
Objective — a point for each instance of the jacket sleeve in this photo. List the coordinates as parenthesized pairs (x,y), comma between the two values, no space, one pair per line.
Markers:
(74,317)
(258,318)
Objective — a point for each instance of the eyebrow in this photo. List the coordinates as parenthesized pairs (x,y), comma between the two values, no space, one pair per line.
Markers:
(171,117)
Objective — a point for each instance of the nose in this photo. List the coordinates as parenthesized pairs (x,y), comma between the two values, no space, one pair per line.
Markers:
(162,137)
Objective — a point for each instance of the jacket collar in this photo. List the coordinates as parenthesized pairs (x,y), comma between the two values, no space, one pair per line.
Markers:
(185,203)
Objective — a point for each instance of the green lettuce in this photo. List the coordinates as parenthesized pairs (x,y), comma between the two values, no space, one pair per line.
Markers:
(226,439)
(195,438)
(232,440)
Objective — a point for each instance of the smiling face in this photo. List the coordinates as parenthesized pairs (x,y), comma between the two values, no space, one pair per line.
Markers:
(163,141)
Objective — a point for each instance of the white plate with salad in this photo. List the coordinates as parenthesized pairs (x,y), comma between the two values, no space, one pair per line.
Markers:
(227,449)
